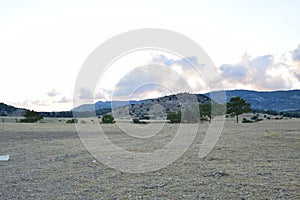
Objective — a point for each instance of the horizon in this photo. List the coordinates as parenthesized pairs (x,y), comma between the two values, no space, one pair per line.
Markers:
(104,101)
(45,44)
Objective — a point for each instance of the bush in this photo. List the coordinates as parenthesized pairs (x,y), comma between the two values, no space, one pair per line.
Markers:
(174,117)
(108,119)
(72,121)
(31,117)
(246,120)
(137,121)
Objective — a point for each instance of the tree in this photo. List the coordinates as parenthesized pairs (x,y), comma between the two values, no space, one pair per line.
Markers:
(31,117)
(209,111)
(174,117)
(108,119)
(237,106)
(205,111)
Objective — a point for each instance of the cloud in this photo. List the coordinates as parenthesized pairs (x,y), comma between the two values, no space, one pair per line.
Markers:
(153,78)
(161,76)
(262,73)
(162,59)
(296,54)
(52,93)
(296,62)
(64,100)
(238,71)
(103,94)
(85,93)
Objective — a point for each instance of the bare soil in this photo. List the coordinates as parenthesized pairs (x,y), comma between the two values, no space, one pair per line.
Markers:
(250,161)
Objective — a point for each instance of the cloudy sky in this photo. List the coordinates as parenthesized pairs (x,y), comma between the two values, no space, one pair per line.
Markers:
(43,44)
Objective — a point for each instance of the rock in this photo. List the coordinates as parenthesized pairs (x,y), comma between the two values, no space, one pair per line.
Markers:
(218,174)
(202,195)
(263,173)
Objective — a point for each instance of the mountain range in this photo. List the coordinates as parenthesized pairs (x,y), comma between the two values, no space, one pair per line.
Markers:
(279,101)
(274,100)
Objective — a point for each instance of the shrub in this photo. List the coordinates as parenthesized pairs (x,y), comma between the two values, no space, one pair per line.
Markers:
(31,117)
(72,121)
(108,119)
(174,117)
(137,121)
(246,120)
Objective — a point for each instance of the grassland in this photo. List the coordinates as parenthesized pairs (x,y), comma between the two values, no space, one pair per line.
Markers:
(250,161)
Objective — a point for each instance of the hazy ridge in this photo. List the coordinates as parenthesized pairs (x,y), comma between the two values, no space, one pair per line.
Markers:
(279,101)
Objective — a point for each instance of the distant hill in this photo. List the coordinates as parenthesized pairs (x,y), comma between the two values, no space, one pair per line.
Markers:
(274,100)
(157,108)
(7,110)
(104,105)
(279,101)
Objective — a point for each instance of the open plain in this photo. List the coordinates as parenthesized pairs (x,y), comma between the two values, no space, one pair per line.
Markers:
(250,161)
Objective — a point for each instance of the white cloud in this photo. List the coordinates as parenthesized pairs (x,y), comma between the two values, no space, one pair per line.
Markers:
(296,54)
(64,100)
(141,81)
(52,93)
(85,93)
(262,73)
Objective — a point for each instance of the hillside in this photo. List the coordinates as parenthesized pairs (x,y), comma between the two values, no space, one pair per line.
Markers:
(157,108)
(275,100)
(279,101)
(104,105)
(7,110)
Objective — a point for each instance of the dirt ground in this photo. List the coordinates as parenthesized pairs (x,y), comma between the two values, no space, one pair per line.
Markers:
(250,161)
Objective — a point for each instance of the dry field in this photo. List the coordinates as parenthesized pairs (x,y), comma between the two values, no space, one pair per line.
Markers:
(250,161)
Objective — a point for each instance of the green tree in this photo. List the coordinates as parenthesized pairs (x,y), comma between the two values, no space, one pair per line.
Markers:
(174,117)
(209,111)
(205,112)
(237,106)
(108,119)
(31,117)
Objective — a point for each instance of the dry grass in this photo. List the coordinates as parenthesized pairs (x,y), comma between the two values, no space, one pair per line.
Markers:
(250,161)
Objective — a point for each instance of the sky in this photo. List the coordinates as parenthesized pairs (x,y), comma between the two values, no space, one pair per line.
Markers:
(43,44)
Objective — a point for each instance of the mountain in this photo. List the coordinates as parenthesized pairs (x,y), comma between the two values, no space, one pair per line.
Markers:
(274,100)
(7,110)
(157,108)
(104,105)
(279,101)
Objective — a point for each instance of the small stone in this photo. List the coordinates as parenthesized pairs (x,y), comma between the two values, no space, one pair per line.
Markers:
(202,195)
